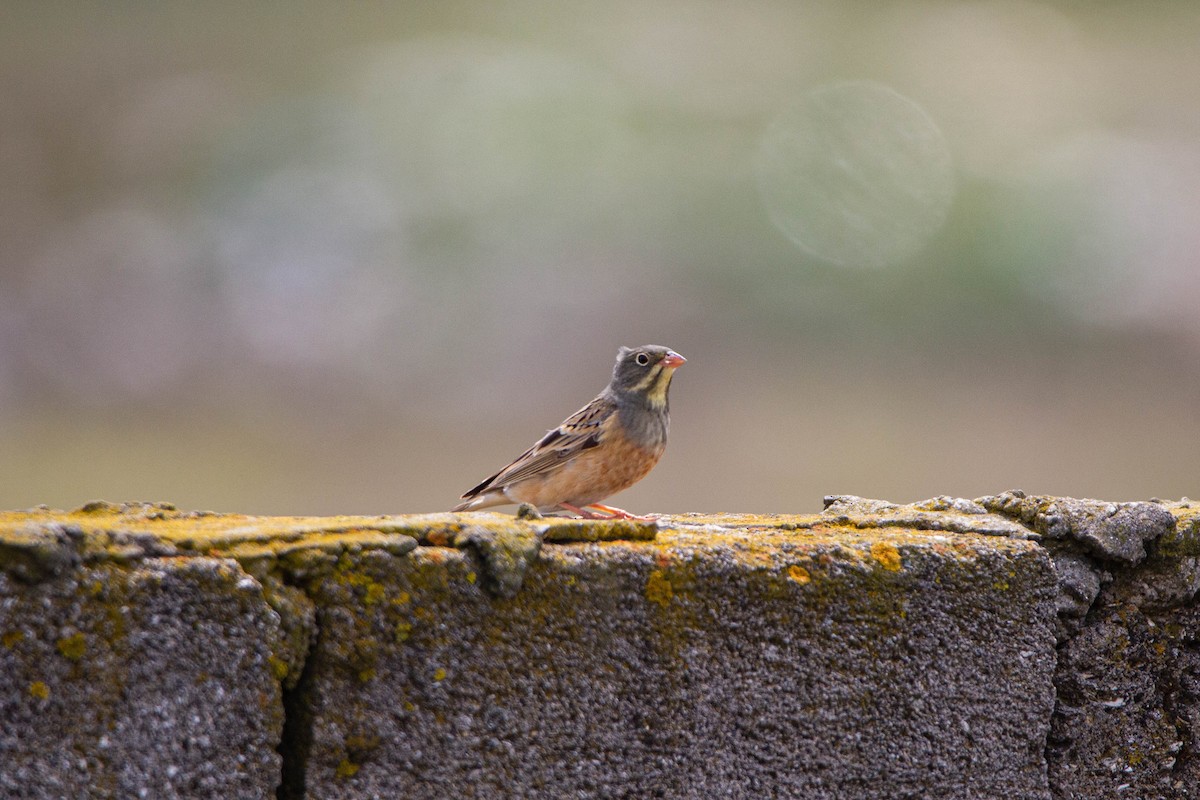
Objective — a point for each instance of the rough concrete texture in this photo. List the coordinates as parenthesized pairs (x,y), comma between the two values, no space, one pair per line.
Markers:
(874,650)
(146,681)
(1127,717)
(716,661)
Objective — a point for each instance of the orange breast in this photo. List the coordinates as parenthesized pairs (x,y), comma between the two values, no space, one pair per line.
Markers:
(591,476)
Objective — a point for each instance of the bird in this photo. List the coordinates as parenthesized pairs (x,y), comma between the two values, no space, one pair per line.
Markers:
(606,446)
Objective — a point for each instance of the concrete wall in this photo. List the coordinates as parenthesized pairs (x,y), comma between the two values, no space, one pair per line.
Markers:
(1006,647)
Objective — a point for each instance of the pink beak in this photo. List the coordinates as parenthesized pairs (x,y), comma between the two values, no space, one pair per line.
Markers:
(673,360)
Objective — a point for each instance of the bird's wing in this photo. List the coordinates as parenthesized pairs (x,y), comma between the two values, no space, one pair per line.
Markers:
(579,432)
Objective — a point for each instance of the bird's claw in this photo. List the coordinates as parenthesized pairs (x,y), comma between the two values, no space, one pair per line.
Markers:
(599,511)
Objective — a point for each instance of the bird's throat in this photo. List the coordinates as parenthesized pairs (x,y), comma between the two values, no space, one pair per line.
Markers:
(653,388)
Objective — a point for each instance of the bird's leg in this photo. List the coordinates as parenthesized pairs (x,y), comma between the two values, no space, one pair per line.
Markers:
(600,511)
(620,513)
(583,512)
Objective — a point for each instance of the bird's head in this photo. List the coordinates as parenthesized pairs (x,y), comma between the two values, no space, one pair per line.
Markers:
(644,373)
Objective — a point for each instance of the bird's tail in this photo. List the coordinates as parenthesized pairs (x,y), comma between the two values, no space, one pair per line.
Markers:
(485,500)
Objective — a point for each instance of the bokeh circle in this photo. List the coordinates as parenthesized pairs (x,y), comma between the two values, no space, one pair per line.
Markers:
(856,174)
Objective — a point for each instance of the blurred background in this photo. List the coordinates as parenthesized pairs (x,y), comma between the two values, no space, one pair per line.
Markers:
(324,257)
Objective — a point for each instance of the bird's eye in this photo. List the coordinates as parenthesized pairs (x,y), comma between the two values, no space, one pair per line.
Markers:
(642,359)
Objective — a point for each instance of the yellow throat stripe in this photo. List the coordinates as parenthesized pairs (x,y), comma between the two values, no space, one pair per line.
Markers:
(654,385)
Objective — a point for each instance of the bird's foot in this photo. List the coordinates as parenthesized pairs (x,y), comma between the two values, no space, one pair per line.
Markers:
(600,511)
(584,513)
(620,513)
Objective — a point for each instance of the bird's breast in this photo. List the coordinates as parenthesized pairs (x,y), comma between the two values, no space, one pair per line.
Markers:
(589,477)
(645,428)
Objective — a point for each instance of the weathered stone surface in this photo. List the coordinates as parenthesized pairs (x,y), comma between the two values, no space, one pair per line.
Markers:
(721,660)
(145,681)
(1125,723)
(1127,717)
(1112,531)
(124,673)
(1079,581)
(953,514)
(874,650)
(1170,575)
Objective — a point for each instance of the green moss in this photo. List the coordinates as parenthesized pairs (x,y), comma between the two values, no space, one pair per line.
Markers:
(370,590)
(375,594)
(279,667)
(1184,540)
(40,542)
(504,553)
(563,531)
(72,647)
(658,588)
(357,749)
(364,657)
(297,623)
(359,744)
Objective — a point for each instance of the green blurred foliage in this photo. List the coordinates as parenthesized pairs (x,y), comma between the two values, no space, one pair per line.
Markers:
(326,257)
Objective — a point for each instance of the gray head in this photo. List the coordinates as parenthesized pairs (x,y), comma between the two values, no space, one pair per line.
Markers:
(644,373)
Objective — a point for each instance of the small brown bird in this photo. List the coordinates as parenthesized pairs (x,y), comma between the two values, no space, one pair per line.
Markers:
(604,447)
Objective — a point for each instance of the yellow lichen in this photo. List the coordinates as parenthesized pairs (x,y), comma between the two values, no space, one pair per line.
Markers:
(346,768)
(12,639)
(658,588)
(798,574)
(72,647)
(887,555)
(375,593)
(470,577)
(39,690)
(361,743)
(403,631)
(439,674)
(279,667)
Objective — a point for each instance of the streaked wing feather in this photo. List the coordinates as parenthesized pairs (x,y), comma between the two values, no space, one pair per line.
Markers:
(582,430)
